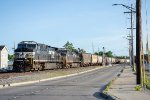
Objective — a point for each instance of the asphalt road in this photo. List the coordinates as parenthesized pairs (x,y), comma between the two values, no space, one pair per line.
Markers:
(82,87)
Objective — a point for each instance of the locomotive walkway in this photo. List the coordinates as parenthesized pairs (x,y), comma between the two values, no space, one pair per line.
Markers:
(123,87)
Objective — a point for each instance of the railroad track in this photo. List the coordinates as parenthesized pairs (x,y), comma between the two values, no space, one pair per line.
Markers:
(7,75)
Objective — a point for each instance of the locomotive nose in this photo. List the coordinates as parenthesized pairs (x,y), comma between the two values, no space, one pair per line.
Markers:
(24,53)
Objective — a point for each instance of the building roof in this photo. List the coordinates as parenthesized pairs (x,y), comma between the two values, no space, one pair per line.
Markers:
(2,46)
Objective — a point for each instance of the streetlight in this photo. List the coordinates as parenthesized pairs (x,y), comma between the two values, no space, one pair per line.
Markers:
(132,10)
(128,7)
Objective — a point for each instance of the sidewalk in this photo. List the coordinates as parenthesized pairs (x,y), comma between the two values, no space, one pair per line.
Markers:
(123,87)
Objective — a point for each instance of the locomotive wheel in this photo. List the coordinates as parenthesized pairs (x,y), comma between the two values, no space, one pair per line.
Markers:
(41,68)
(28,68)
(58,66)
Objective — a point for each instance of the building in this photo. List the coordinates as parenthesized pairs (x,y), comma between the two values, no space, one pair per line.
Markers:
(3,56)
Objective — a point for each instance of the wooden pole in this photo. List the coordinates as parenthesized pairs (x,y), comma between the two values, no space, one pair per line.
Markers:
(138,40)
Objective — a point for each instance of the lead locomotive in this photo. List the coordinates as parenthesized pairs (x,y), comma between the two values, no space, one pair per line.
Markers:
(31,55)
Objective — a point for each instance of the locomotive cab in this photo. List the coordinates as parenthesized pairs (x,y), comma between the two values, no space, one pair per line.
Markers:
(24,55)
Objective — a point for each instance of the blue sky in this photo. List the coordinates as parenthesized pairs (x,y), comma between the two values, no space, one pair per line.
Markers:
(54,22)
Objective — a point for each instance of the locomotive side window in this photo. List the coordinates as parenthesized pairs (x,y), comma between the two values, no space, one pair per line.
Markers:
(31,46)
(38,47)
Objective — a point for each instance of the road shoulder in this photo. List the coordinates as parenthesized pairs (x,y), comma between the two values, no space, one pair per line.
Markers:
(123,88)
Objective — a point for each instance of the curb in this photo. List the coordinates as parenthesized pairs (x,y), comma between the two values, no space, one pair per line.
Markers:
(106,95)
(48,79)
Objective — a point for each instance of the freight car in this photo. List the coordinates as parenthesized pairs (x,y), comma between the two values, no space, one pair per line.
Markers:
(113,60)
(85,59)
(100,60)
(94,60)
(88,59)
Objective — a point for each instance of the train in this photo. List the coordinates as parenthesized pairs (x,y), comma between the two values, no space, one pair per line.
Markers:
(30,56)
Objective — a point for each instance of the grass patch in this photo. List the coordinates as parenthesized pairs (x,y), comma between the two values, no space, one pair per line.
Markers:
(138,88)
(147,82)
(108,86)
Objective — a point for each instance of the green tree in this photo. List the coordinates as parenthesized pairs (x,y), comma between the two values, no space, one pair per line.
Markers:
(69,46)
(122,57)
(99,53)
(81,50)
(109,54)
(10,57)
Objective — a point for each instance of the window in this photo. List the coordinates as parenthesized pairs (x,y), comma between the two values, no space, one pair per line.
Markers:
(21,45)
(30,46)
(3,55)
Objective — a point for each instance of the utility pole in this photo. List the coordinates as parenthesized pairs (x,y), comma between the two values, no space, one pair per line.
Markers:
(103,56)
(14,50)
(132,50)
(138,40)
(93,47)
(14,47)
(98,51)
(129,39)
(132,11)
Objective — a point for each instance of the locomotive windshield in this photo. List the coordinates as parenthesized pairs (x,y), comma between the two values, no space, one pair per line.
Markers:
(30,46)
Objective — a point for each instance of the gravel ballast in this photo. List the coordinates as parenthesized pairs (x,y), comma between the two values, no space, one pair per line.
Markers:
(39,75)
